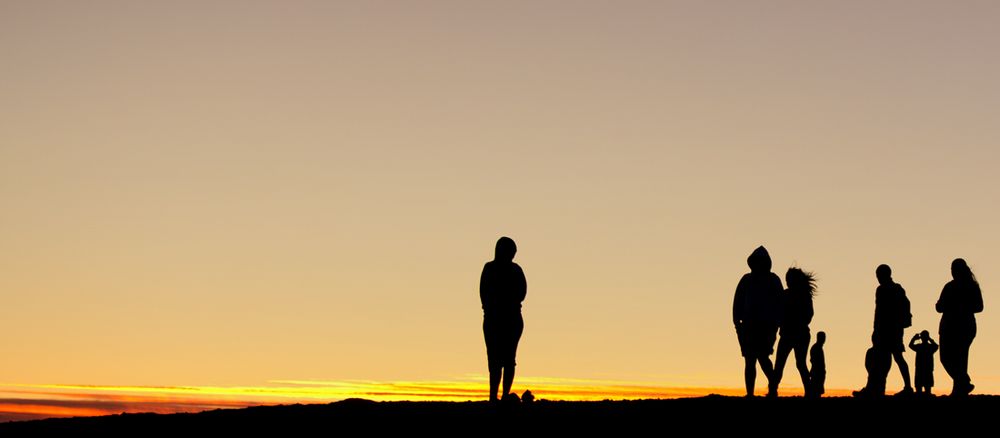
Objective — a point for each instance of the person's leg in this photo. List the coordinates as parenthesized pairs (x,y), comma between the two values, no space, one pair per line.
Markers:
(492,357)
(801,351)
(904,370)
(749,373)
(508,379)
(495,373)
(784,348)
(883,361)
(946,355)
(768,370)
(508,370)
(961,362)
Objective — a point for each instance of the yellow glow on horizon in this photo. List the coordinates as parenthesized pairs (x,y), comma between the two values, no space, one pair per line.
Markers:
(87,399)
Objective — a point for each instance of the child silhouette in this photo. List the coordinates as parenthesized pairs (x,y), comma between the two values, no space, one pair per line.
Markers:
(923,377)
(817,373)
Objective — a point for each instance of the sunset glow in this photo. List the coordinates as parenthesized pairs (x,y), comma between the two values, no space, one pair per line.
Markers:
(41,401)
(221,203)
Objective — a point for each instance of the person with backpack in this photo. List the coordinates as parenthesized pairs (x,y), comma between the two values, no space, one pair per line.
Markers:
(892,317)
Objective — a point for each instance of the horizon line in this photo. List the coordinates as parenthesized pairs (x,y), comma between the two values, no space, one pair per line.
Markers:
(26,401)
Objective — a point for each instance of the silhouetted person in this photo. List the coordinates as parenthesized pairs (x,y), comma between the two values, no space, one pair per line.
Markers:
(960,300)
(502,287)
(755,315)
(877,363)
(817,375)
(923,375)
(892,315)
(796,314)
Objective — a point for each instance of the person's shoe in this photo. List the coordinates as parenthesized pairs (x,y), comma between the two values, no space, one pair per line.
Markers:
(906,392)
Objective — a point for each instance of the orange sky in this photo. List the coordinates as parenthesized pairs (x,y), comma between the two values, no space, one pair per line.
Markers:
(215,194)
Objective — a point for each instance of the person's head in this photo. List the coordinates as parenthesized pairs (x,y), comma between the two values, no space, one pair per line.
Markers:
(799,280)
(960,271)
(759,260)
(506,248)
(884,274)
(925,335)
(820,338)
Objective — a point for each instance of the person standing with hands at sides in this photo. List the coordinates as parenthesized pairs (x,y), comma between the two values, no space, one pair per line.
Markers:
(755,315)
(817,374)
(502,288)
(892,315)
(796,314)
(960,301)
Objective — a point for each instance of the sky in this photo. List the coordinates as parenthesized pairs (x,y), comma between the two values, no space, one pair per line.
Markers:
(240,194)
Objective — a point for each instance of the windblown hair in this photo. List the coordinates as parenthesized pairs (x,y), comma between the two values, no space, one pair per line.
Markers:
(800,279)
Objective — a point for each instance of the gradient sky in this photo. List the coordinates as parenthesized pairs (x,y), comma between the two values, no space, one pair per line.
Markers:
(214,193)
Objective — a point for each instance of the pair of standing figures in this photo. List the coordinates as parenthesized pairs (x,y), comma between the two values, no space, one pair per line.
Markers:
(761,309)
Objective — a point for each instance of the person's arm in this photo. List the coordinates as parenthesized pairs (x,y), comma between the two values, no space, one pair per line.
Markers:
(977,300)
(942,303)
(738,298)
(913,343)
(484,285)
(522,284)
(809,311)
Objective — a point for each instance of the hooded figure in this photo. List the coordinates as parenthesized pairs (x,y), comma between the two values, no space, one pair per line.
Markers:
(502,287)
(755,314)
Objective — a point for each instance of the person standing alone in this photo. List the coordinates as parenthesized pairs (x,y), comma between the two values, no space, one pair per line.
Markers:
(502,288)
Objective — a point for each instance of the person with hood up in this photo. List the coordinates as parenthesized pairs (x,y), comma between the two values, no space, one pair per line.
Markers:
(502,288)
(755,315)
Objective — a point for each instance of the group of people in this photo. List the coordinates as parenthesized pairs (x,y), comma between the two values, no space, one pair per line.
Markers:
(763,312)
(960,300)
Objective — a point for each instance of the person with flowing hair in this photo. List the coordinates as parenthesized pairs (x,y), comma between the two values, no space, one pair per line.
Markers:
(794,335)
(960,301)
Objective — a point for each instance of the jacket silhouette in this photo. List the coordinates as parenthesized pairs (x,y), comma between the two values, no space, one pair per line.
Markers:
(755,315)
(502,288)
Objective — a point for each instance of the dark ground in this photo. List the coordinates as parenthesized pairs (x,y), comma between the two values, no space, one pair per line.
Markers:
(709,416)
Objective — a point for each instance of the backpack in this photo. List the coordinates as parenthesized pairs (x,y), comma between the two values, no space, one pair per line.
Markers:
(905,317)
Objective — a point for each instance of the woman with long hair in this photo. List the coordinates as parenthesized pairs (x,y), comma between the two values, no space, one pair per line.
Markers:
(796,314)
(961,299)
